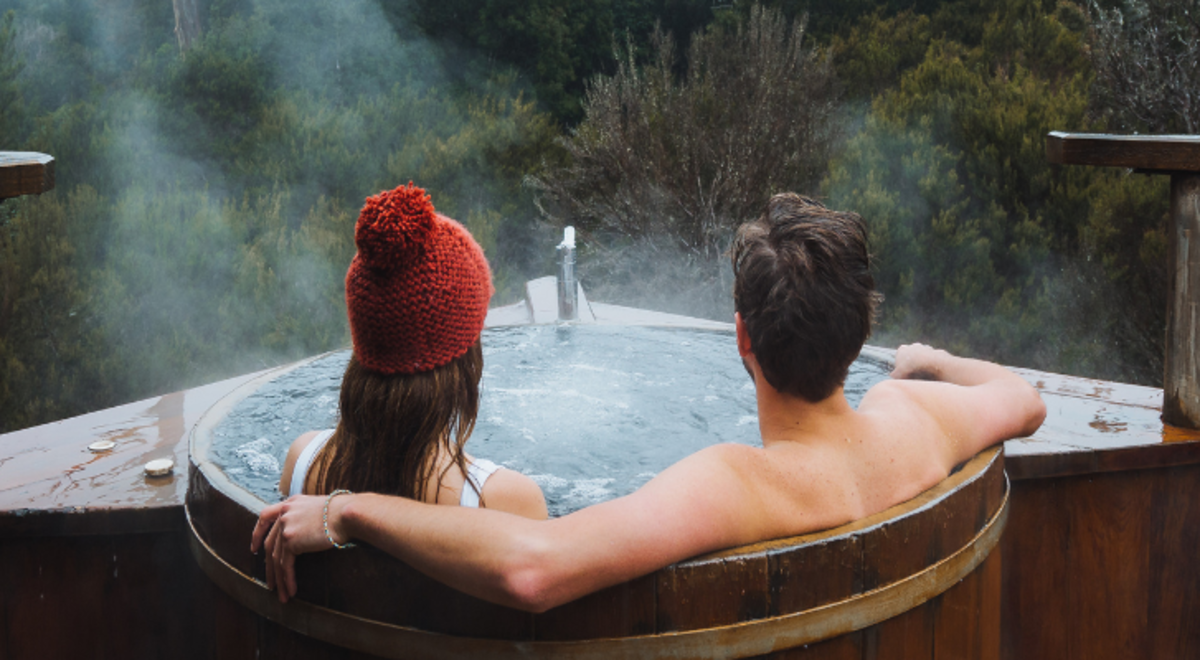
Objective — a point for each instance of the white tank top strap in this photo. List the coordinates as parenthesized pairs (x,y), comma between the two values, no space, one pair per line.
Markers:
(478,471)
(305,460)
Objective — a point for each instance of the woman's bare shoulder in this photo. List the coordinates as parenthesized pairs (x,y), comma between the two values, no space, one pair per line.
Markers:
(513,492)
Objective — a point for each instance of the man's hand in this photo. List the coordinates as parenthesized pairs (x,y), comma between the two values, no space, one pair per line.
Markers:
(292,527)
(918,361)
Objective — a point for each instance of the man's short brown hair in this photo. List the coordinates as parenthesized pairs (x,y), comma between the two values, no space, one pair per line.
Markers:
(803,287)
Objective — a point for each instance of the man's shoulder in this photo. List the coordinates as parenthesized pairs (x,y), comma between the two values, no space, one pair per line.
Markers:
(889,394)
(720,457)
(905,396)
(721,466)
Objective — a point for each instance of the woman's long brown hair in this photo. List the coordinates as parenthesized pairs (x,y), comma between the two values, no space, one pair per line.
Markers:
(391,428)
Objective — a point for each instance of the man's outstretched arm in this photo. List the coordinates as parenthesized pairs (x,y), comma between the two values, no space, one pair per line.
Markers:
(977,403)
(697,505)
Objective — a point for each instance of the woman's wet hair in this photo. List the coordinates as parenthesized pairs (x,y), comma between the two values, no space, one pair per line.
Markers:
(804,289)
(392,426)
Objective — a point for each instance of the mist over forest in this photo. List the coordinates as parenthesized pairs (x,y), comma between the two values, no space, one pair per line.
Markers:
(212,155)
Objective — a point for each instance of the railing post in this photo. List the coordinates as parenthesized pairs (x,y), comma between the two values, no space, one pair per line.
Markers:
(1181,391)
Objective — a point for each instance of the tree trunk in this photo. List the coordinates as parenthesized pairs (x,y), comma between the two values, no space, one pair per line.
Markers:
(187,23)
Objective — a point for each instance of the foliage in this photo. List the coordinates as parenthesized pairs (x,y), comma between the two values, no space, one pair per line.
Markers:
(1147,59)
(678,162)
(558,43)
(203,217)
(872,55)
(54,360)
(12,106)
(981,244)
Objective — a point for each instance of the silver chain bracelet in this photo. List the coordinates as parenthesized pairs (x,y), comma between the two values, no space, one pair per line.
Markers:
(325,519)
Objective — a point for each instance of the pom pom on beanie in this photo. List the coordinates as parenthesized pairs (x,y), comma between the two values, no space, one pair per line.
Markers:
(393,226)
(417,292)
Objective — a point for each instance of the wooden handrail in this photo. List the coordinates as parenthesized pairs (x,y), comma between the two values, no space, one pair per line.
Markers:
(1149,153)
(25,173)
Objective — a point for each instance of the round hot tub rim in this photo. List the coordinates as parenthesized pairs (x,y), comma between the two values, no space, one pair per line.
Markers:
(221,554)
(733,640)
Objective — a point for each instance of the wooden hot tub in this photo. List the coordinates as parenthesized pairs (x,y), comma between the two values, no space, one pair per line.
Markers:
(911,581)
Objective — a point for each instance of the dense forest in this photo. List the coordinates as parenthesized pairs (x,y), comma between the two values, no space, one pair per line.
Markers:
(211,157)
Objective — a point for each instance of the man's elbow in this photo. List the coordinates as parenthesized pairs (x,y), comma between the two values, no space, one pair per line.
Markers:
(530,579)
(1034,411)
(529,590)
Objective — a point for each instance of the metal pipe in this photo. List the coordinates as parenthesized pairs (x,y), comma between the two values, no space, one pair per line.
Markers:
(568,287)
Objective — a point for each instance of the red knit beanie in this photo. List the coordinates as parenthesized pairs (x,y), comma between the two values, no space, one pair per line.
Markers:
(417,291)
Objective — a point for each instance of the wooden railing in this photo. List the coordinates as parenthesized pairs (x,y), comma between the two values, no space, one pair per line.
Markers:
(1179,157)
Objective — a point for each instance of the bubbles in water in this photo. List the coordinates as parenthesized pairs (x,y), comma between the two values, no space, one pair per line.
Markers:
(257,456)
(590,491)
(548,481)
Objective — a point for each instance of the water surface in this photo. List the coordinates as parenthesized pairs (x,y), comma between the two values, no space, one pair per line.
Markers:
(588,412)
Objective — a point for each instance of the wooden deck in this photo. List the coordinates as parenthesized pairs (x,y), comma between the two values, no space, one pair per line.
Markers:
(1096,561)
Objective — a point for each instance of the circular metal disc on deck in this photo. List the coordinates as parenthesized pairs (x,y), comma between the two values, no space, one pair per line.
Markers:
(102,445)
(160,467)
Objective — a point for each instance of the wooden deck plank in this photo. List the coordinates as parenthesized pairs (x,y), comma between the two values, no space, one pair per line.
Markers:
(25,173)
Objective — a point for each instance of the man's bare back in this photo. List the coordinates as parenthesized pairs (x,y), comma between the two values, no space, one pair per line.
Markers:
(824,464)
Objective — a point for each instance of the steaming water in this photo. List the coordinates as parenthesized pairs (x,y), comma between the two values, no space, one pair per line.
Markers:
(589,412)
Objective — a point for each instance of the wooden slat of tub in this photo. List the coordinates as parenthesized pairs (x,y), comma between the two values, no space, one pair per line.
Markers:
(277,642)
(904,549)
(844,647)
(990,620)
(623,610)
(234,630)
(711,592)
(1174,576)
(224,524)
(909,635)
(396,593)
(996,489)
(956,620)
(811,576)
(957,611)
(1107,563)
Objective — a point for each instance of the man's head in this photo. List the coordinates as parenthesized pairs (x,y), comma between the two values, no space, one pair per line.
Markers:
(805,294)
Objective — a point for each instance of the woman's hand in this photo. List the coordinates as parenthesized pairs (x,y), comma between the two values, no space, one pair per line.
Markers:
(918,361)
(293,527)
